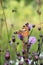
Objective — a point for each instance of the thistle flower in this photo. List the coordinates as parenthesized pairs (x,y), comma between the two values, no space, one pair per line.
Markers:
(17,43)
(18,54)
(19,57)
(14,10)
(13,38)
(27,24)
(20,36)
(29,61)
(41,35)
(6,63)
(39,28)
(39,12)
(38,40)
(32,39)
(23,52)
(26,60)
(20,63)
(15,32)
(26,43)
(30,26)
(36,58)
(28,47)
(33,25)
(23,57)
(7,55)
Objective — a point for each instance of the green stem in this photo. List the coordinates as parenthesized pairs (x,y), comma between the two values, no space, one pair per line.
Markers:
(5,20)
(1,30)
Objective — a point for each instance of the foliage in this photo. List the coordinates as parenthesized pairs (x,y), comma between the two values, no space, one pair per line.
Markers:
(27,2)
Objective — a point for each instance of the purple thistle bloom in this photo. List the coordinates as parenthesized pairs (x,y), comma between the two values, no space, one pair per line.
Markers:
(29,61)
(5,63)
(20,63)
(32,39)
(19,57)
(30,26)
(20,36)
(7,55)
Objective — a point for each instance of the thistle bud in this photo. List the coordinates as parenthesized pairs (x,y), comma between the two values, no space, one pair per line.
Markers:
(39,28)
(39,12)
(7,55)
(33,26)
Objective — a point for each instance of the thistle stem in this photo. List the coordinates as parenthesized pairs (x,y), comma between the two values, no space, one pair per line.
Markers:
(5,20)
